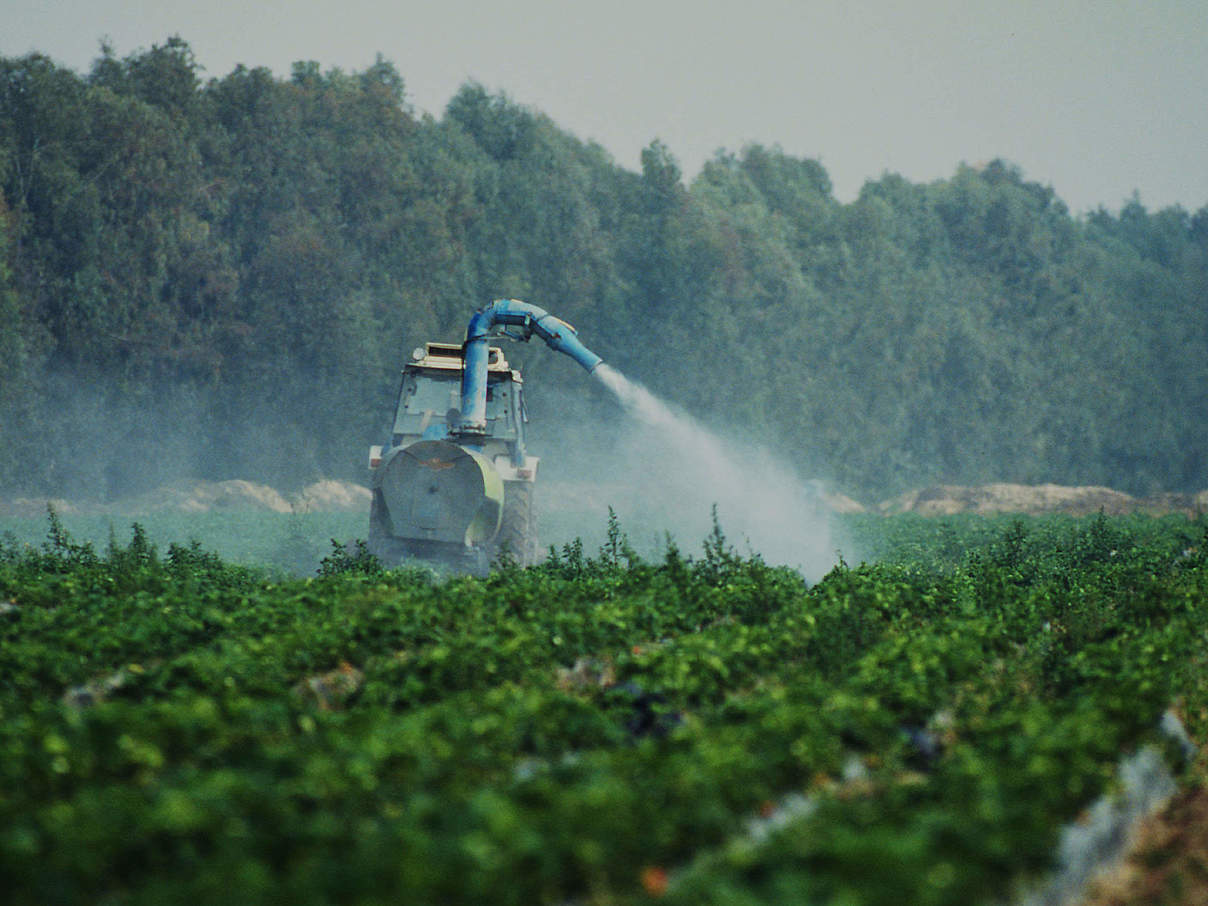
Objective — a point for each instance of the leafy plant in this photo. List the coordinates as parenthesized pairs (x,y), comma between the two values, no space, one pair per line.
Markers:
(698,731)
(350,558)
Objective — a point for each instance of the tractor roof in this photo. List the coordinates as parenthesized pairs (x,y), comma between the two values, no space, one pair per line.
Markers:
(448,357)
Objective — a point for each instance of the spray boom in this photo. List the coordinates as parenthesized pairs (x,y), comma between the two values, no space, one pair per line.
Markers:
(518,320)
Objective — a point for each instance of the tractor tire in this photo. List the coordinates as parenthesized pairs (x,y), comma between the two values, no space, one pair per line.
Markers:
(518,527)
(386,548)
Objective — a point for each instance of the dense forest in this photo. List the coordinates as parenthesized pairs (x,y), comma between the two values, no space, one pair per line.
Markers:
(220,278)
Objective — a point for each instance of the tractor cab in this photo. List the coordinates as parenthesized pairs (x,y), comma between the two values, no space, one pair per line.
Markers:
(430,397)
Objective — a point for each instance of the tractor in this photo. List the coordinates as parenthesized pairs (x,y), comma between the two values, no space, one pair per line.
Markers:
(454,485)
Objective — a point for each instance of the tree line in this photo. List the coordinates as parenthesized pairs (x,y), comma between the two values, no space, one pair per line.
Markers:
(221,277)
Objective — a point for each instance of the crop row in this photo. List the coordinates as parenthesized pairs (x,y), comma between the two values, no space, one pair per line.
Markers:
(597,729)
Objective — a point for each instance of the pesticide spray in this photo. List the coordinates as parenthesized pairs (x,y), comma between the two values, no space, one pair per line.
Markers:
(681,470)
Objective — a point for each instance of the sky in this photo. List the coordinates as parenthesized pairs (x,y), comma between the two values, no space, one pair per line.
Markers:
(1096,99)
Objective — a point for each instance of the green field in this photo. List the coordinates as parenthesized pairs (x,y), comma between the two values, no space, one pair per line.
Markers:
(697,727)
(294,542)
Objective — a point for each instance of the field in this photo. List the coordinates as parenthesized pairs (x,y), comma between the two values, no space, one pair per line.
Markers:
(289,542)
(695,727)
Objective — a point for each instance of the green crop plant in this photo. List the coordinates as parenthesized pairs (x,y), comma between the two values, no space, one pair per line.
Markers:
(595,729)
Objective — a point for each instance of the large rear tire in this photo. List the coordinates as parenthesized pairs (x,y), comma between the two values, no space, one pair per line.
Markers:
(387,549)
(518,526)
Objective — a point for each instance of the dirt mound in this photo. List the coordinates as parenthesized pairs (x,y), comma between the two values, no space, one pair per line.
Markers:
(345,496)
(35,507)
(841,503)
(947,500)
(204,496)
(333,496)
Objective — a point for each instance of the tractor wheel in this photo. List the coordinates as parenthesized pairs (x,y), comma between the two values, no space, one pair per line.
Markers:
(517,527)
(381,544)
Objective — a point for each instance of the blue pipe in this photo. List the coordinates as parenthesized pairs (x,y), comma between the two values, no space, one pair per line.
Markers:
(530,320)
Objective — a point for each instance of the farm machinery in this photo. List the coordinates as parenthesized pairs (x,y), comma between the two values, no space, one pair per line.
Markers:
(455,482)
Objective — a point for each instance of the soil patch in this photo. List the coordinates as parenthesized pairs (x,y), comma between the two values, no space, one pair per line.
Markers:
(1168,862)
(35,507)
(947,500)
(206,496)
(345,496)
(333,496)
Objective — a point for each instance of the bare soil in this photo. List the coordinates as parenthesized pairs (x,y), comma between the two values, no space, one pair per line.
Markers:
(346,496)
(947,500)
(204,496)
(1168,862)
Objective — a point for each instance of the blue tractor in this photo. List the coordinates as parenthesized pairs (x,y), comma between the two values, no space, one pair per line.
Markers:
(455,483)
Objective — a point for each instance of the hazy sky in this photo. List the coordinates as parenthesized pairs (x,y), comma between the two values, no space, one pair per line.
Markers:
(1096,99)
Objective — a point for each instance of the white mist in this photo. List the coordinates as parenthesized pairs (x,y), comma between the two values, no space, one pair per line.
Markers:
(676,470)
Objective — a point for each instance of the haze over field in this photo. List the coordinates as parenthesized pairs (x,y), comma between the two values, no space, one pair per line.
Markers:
(673,469)
(1095,99)
(215,272)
